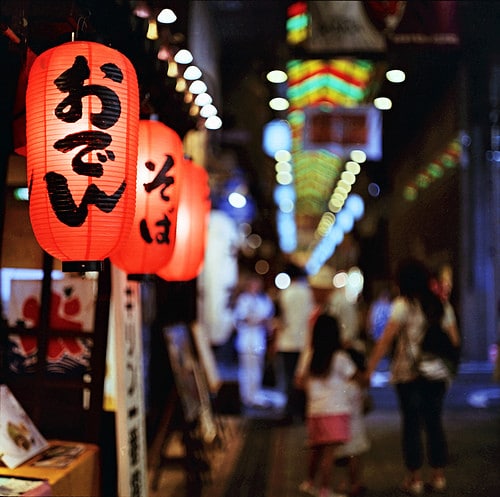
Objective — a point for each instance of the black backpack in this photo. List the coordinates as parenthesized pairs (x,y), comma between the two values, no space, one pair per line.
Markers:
(437,342)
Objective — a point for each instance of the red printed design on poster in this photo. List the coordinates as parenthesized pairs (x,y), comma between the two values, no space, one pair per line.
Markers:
(72,309)
(159,174)
(82,114)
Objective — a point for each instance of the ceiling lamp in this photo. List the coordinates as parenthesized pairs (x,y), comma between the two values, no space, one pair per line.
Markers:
(353,167)
(213,122)
(358,156)
(208,111)
(192,73)
(279,103)
(348,177)
(180,85)
(166,16)
(197,87)
(142,10)
(203,99)
(283,167)
(395,76)
(163,54)
(276,76)
(382,103)
(159,176)
(183,56)
(237,200)
(173,69)
(152,33)
(276,136)
(82,115)
(283,156)
(284,178)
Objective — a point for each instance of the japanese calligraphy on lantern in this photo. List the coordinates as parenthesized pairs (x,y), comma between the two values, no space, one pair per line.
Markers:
(82,118)
(159,175)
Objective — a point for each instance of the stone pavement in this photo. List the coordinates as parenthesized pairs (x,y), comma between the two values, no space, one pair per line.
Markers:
(261,457)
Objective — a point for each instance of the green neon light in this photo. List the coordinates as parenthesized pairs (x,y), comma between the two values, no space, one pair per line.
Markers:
(435,170)
(448,161)
(323,85)
(297,23)
(410,193)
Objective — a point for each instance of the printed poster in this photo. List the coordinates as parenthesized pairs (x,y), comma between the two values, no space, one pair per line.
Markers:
(20,439)
(72,309)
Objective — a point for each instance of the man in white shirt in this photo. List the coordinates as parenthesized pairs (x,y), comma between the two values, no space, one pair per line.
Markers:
(296,305)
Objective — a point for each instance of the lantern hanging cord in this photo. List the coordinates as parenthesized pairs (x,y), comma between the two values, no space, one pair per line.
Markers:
(81,25)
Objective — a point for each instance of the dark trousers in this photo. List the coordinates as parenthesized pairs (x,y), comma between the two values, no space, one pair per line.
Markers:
(421,407)
(296,400)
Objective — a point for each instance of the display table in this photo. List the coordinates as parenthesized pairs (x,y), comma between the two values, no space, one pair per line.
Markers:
(81,477)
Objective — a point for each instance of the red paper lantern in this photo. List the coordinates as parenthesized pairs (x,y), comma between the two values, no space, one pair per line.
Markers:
(159,175)
(82,115)
(192,223)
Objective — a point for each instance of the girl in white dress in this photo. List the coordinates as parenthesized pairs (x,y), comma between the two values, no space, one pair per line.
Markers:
(328,412)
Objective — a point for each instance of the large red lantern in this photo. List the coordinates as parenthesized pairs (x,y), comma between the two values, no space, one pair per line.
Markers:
(192,224)
(159,174)
(82,115)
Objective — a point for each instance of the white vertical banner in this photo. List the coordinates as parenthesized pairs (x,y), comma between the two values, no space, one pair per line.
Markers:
(125,326)
(215,286)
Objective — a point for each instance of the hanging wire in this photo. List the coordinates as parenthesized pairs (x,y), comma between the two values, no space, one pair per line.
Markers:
(81,26)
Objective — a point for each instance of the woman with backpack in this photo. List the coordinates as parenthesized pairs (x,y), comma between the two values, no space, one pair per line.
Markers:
(421,378)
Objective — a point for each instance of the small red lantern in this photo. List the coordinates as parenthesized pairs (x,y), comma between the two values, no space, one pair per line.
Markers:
(82,115)
(192,223)
(159,175)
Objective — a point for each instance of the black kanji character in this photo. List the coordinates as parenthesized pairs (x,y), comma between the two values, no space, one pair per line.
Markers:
(161,178)
(95,140)
(71,81)
(65,207)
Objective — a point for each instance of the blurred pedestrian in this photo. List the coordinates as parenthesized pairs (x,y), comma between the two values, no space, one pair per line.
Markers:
(378,314)
(296,305)
(351,453)
(253,314)
(345,308)
(321,284)
(343,305)
(420,398)
(328,409)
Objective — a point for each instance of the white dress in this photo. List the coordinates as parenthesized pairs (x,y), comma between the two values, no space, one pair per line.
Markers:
(359,442)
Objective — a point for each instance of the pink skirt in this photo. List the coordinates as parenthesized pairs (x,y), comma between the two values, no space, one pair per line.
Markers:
(329,429)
